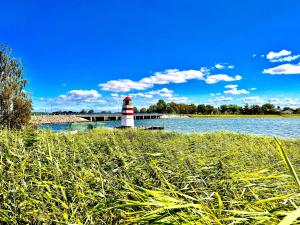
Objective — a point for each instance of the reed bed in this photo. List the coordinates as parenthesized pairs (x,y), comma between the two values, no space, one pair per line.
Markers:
(146,177)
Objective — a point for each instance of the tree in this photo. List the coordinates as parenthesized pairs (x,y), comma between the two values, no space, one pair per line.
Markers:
(15,104)
(209,109)
(135,110)
(91,111)
(246,110)
(143,110)
(83,111)
(161,106)
(173,107)
(256,109)
(223,109)
(192,109)
(170,109)
(268,108)
(201,109)
(152,109)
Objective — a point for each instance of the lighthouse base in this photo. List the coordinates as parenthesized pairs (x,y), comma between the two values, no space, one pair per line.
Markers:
(127,121)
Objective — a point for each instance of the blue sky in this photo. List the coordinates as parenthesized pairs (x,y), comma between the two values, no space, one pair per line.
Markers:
(90,54)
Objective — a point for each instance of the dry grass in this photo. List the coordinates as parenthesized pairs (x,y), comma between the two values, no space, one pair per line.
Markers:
(146,177)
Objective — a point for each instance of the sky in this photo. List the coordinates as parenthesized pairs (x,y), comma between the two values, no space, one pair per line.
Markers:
(92,53)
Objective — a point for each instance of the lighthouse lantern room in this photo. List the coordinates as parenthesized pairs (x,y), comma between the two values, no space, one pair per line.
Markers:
(127,119)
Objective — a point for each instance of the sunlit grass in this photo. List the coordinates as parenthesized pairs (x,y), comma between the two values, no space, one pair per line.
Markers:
(141,177)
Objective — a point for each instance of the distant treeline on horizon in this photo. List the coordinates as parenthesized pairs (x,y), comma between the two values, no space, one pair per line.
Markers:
(180,108)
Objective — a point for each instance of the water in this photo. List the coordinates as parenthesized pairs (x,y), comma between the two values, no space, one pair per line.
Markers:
(282,127)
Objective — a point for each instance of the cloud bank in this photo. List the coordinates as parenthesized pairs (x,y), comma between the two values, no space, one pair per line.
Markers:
(166,77)
(281,57)
(284,69)
(234,91)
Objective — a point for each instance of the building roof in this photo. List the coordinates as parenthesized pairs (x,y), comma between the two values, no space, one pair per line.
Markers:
(127,98)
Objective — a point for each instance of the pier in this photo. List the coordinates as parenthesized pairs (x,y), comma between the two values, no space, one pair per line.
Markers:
(117,116)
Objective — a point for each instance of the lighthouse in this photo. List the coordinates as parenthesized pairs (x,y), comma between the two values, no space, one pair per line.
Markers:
(127,119)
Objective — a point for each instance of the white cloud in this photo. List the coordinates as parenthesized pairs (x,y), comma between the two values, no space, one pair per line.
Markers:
(281,56)
(164,92)
(165,77)
(254,55)
(231,86)
(124,85)
(83,94)
(215,94)
(273,100)
(286,59)
(235,91)
(290,102)
(143,95)
(284,69)
(252,89)
(212,79)
(76,96)
(275,55)
(219,66)
(221,99)
(178,99)
(152,96)
(252,99)
(173,76)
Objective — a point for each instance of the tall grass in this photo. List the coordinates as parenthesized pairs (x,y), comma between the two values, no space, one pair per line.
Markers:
(146,177)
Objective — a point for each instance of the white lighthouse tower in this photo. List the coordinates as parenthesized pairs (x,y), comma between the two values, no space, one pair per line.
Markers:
(127,119)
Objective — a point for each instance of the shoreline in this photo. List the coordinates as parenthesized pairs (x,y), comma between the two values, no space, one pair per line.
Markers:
(290,116)
(57,119)
(61,119)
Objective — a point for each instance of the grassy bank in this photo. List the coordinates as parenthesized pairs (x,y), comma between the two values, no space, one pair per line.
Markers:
(244,116)
(130,177)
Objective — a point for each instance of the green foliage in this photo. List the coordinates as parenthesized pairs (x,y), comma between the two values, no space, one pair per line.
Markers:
(145,177)
(143,110)
(91,111)
(15,105)
(90,126)
(267,109)
(83,111)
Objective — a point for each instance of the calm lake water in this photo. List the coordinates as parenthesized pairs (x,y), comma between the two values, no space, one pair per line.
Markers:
(282,127)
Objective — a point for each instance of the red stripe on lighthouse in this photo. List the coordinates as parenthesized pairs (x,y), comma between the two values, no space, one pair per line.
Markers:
(128,108)
(127,114)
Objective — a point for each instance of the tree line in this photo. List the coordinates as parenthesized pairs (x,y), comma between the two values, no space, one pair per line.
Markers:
(179,108)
